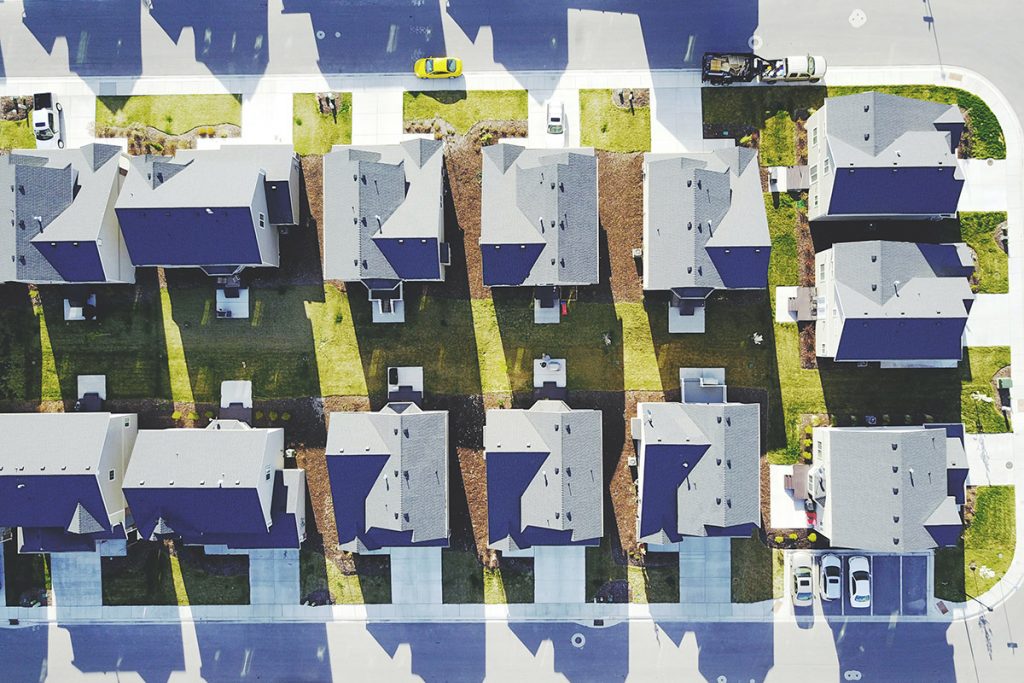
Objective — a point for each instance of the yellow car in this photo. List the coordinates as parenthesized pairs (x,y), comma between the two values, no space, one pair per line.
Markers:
(438,67)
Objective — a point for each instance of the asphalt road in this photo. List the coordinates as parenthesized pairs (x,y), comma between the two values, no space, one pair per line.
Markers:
(197,37)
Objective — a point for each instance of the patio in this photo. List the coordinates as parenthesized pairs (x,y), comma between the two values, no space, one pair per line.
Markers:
(787,507)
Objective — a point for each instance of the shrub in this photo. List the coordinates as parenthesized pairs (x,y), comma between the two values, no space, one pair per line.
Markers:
(808,430)
(208,414)
(273,416)
(298,121)
(792,536)
(746,140)
(808,444)
(176,415)
(286,416)
(193,416)
(778,539)
(259,414)
(812,537)
(338,318)
(604,126)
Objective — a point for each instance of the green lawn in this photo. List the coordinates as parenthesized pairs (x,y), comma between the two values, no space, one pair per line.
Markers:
(657,581)
(978,230)
(511,584)
(25,576)
(602,569)
(988,542)
(462,577)
(752,570)
(370,585)
(316,133)
(17,135)
(605,126)
(464,108)
(984,135)
(778,141)
(145,577)
(172,114)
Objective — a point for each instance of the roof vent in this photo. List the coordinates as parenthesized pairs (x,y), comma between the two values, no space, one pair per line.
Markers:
(895,540)
(209,211)
(895,446)
(895,491)
(896,519)
(718,461)
(689,225)
(867,136)
(867,107)
(202,482)
(718,501)
(895,469)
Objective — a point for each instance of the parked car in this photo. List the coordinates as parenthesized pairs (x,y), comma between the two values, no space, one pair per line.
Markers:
(46,126)
(556,123)
(723,68)
(438,67)
(860,581)
(797,68)
(830,586)
(803,579)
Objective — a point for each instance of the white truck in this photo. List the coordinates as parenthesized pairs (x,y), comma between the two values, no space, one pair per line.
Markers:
(46,123)
(723,68)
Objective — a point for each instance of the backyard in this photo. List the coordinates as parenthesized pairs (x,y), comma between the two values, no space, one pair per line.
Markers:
(609,120)
(315,129)
(986,548)
(462,109)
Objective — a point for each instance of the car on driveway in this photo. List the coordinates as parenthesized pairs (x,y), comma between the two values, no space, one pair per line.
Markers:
(438,67)
(803,579)
(556,123)
(830,577)
(859,570)
(46,123)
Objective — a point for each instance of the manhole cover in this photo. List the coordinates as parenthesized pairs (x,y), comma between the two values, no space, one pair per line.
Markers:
(1009,465)
(722,679)
(851,675)
(578,640)
(320,35)
(337,34)
(755,42)
(858,18)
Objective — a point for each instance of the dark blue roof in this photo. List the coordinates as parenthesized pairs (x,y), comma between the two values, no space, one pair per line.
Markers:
(741,267)
(279,202)
(944,259)
(194,514)
(79,263)
(49,500)
(50,540)
(945,535)
(510,264)
(412,258)
(664,472)
(908,191)
(190,236)
(283,532)
(901,339)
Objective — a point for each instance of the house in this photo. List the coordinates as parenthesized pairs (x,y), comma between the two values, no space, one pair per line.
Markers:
(219,210)
(705,229)
(384,219)
(222,486)
(698,462)
(876,156)
(62,227)
(539,225)
(60,479)
(545,477)
(898,303)
(888,489)
(388,472)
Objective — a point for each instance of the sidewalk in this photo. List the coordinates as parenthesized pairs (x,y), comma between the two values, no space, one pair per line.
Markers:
(987,323)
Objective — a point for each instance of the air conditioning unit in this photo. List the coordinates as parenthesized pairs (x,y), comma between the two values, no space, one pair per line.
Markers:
(632,461)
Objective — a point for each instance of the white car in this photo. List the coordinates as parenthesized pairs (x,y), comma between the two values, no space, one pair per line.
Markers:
(830,583)
(556,123)
(803,579)
(46,123)
(860,581)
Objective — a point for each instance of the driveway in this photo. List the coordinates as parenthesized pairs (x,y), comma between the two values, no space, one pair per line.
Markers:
(416,576)
(559,574)
(899,586)
(76,579)
(274,577)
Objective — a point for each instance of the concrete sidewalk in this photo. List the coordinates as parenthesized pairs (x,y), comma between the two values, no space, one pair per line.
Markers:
(988,323)
(990,459)
(984,186)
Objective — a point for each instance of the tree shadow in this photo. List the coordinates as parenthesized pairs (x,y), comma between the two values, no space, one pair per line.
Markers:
(440,96)
(230,35)
(125,343)
(371,36)
(20,350)
(751,369)
(103,38)
(440,652)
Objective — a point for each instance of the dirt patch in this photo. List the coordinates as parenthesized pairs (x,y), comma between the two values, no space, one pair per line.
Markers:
(15,108)
(801,142)
(631,98)
(808,355)
(621,213)
(463,164)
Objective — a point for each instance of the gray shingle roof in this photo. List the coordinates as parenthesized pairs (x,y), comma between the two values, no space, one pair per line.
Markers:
(401,184)
(866,274)
(567,491)
(523,188)
(68,189)
(876,129)
(723,489)
(695,201)
(411,491)
(882,485)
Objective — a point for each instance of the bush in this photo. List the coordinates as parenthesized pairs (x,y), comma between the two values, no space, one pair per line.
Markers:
(286,416)
(208,414)
(812,537)
(176,415)
(778,539)
(746,140)
(259,414)
(273,416)
(792,536)
(193,416)
(338,318)
(808,444)
(808,430)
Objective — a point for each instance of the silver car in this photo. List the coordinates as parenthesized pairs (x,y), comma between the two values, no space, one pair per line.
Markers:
(859,570)
(556,123)
(830,577)
(803,579)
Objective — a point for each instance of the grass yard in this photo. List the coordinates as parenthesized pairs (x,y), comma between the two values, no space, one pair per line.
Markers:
(316,133)
(979,365)
(752,570)
(657,581)
(604,125)
(320,577)
(984,136)
(17,135)
(979,231)
(149,575)
(462,577)
(26,577)
(988,542)
(606,576)
(778,141)
(464,108)
(511,584)
(172,114)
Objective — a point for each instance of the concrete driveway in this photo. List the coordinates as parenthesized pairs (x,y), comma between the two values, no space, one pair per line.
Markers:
(416,576)
(559,573)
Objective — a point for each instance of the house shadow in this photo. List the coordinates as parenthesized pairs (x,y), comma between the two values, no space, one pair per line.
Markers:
(448,651)
(582,653)
(733,318)
(153,651)
(20,350)
(897,650)
(231,36)
(826,233)
(363,36)
(103,38)
(125,342)
(293,652)
(32,647)
(728,650)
